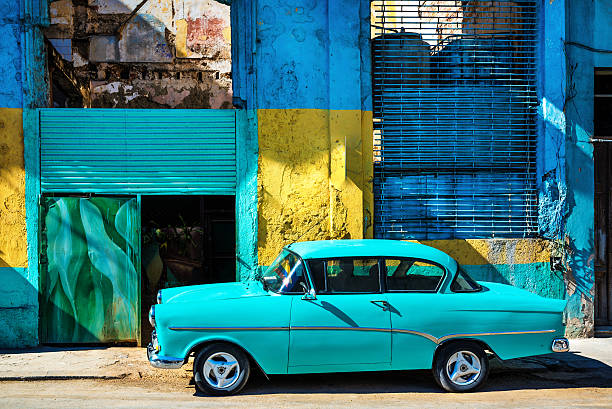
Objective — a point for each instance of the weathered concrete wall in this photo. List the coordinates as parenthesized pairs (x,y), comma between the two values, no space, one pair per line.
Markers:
(310,84)
(18,292)
(13,243)
(313,115)
(578,107)
(524,263)
(166,54)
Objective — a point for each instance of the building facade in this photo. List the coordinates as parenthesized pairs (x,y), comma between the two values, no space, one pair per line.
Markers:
(155,128)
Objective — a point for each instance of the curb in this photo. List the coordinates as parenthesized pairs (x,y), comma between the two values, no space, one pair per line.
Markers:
(60,377)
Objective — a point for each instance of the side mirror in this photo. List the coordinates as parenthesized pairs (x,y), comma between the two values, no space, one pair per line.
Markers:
(310,295)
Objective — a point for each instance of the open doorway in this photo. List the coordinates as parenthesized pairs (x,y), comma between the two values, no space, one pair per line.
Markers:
(186,240)
(602,156)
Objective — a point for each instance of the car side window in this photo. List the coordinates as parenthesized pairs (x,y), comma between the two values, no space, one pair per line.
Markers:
(412,275)
(463,283)
(352,275)
(317,273)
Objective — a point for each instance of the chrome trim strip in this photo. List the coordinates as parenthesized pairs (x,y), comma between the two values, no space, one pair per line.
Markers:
(481,334)
(421,334)
(343,328)
(366,329)
(228,328)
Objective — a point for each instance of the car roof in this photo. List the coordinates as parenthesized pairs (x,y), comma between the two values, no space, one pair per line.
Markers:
(370,248)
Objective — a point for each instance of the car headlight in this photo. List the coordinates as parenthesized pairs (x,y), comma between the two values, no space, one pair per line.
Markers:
(159,299)
(152,316)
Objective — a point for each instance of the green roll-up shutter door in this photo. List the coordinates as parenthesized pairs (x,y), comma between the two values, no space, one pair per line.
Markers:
(119,151)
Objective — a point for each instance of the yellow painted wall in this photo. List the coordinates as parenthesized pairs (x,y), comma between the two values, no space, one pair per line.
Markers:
(496,251)
(13,242)
(314,183)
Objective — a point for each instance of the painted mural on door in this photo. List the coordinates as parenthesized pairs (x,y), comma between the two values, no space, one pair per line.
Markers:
(90,269)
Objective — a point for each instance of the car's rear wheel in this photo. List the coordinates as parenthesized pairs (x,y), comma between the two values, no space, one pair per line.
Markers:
(221,369)
(461,367)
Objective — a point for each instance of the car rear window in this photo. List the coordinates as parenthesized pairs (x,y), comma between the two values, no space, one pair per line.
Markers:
(464,283)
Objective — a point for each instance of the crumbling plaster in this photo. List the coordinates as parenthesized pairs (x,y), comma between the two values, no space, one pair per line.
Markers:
(163,54)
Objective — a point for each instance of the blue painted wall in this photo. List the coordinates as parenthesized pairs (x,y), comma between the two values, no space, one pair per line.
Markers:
(304,55)
(11,70)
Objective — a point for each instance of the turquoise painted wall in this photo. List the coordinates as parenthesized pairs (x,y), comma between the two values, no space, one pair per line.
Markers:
(578,106)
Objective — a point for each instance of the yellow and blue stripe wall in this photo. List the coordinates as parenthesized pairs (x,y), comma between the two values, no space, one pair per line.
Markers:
(302,80)
(303,71)
(22,73)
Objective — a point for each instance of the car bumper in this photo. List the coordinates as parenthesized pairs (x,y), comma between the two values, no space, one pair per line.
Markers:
(560,345)
(163,362)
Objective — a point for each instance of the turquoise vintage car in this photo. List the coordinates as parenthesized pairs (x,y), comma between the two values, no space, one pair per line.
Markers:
(352,305)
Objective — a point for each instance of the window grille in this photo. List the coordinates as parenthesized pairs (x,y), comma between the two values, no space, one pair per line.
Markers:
(454,95)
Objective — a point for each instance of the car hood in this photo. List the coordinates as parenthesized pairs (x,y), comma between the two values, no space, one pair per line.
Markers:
(208,292)
(522,300)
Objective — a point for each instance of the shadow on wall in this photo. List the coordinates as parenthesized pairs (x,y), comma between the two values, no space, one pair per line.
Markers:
(473,261)
(18,309)
(518,262)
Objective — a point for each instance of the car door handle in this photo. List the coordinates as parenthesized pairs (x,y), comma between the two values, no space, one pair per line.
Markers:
(381,303)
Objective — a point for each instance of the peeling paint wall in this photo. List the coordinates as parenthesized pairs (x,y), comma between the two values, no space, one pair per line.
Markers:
(578,105)
(312,95)
(13,243)
(309,80)
(165,54)
(23,76)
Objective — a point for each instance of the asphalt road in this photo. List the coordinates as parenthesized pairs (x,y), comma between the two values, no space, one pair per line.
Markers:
(504,389)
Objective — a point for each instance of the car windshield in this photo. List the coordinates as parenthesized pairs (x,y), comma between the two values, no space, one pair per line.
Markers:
(285,274)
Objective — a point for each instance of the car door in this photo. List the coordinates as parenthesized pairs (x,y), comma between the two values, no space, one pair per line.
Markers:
(347,327)
(418,312)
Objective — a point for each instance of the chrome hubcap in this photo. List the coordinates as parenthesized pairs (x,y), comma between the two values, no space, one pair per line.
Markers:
(463,368)
(221,370)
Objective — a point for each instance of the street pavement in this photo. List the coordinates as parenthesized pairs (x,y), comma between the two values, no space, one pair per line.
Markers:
(121,377)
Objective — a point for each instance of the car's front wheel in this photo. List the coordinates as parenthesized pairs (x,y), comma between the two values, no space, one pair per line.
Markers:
(221,369)
(461,367)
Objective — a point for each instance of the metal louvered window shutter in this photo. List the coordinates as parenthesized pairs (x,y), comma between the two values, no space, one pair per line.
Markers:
(454,93)
(130,151)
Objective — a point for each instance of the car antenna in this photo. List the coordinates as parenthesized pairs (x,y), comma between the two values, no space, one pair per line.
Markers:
(303,234)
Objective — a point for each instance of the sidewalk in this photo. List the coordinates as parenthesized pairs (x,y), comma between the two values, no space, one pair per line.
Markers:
(74,363)
(585,356)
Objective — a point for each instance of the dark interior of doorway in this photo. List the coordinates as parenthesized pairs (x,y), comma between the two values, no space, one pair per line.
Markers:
(186,240)
(602,155)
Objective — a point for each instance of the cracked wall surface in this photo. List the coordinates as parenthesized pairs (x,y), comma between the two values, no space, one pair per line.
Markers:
(165,54)
(306,188)
(13,243)
(22,89)
(312,96)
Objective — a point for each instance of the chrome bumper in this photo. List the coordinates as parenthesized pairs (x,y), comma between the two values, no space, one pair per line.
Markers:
(560,345)
(163,362)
